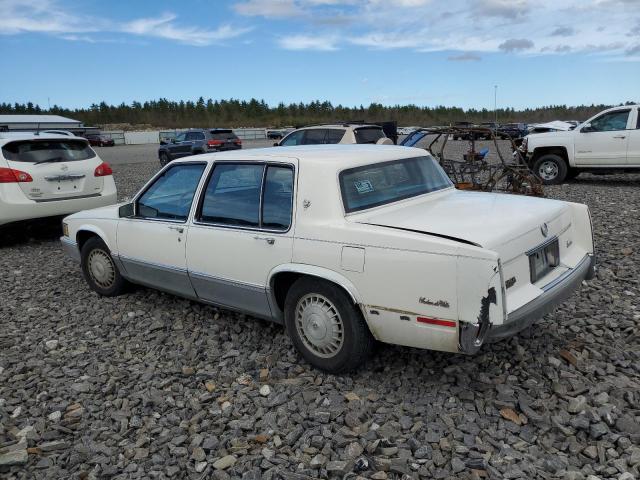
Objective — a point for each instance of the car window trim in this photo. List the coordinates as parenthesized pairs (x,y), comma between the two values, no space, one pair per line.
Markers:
(266,163)
(153,180)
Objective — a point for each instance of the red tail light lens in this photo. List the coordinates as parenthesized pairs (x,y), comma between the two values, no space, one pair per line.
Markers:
(10,175)
(213,143)
(238,141)
(103,170)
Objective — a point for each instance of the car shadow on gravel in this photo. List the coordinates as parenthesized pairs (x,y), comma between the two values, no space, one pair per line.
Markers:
(31,232)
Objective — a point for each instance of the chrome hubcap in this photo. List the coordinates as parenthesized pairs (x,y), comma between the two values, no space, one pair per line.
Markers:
(548,170)
(101,268)
(319,325)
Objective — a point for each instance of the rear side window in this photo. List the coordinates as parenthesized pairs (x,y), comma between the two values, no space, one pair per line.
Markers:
(277,203)
(170,196)
(368,134)
(315,136)
(335,135)
(47,151)
(195,136)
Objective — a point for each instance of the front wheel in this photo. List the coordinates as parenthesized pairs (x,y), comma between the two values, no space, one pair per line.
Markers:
(551,168)
(326,327)
(99,269)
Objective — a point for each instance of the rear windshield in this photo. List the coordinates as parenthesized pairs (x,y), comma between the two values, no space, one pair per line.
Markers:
(34,151)
(223,134)
(381,183)
(368,134)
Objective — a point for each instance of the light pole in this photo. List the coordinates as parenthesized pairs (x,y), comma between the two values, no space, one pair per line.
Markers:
(495,102)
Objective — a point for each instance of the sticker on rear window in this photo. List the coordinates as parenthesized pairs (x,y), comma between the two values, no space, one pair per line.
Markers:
(363,186)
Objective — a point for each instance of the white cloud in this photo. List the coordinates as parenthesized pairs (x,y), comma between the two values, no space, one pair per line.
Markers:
(509,9)
(48,17)
(269,8)
(465,57)
(164,27)
(515,45)
(308,42)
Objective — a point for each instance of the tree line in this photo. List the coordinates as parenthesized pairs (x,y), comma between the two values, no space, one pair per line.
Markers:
(163,113)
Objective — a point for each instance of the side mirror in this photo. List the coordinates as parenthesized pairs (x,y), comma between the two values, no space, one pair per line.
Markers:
(587,128)
(163,142)
(173,140)
(126,211)
(277,144)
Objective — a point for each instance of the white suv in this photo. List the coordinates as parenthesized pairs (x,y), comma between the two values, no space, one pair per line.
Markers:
(347,133)
(49,175)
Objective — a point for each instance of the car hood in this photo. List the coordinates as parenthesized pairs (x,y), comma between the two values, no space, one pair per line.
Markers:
(489,220)
(108,212)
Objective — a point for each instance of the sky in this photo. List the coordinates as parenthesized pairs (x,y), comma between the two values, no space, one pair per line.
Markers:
(426,52)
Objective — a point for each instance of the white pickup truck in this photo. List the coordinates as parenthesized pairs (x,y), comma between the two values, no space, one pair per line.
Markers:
(606,143)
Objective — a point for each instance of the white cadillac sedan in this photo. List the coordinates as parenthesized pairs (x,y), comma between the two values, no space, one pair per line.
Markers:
(343,244)
(49,175)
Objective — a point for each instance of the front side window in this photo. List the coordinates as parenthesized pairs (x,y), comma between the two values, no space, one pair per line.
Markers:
(244,195)
(180,137)
(170,196)
(610,122)
(368,134)
(382,183)
(47,151)
(195,136)
(294,138)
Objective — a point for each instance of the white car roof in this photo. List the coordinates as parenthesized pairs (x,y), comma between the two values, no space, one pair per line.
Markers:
(341,126)
(335,156)
(6,137)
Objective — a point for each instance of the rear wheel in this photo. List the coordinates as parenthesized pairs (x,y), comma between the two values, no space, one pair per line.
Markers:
(99,269)
(325,327)
(551,168)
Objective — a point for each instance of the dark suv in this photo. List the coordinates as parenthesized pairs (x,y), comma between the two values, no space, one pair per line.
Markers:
(194,142)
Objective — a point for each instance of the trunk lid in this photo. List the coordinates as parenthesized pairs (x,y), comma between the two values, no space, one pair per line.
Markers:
(508,224)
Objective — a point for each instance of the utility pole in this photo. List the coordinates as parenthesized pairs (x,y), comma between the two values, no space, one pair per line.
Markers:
(495,102)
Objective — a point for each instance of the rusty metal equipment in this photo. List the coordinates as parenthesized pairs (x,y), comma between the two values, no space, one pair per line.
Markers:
(473,171)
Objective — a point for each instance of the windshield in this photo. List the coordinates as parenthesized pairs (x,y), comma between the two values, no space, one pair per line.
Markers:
(382,183)
(34,151)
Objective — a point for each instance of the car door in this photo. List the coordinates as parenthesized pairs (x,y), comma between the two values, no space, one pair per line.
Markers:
(241,231)
(151,244)
(177,147)
(633,147)
(603,141)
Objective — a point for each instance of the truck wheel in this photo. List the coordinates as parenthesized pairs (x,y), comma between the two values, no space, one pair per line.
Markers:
(99,269)
(551,168)
(325,327)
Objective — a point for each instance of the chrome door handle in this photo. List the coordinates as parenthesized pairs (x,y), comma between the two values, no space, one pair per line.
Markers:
(269,240)
(177,229)
(620,136)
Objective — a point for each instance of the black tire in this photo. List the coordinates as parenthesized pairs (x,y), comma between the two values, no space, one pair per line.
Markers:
(164,158)
(551,169)
(104,278)
(356,340)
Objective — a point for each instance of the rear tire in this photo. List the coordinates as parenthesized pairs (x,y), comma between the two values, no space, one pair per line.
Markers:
(326,327)
(99,270)
(551,169)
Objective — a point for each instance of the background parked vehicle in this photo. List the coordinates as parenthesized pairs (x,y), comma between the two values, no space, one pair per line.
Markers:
(50,175)
(512,130)
(195,142)
(609,142)
(96,140)
(345,133)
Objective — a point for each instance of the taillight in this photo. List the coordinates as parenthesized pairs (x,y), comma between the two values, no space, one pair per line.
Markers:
(10,175)
(103,170)
(238,141)
(214,143)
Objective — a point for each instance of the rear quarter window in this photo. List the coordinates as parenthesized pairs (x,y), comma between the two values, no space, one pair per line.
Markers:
(368,134)
(34,151)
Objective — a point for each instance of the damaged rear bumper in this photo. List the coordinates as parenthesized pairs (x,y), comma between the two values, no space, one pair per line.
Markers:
(554,294)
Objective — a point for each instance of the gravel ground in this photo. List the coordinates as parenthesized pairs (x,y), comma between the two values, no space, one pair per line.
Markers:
(152,386)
